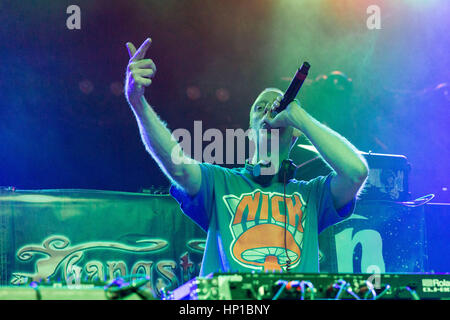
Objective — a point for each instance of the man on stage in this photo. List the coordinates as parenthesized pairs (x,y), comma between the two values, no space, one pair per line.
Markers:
(254,221)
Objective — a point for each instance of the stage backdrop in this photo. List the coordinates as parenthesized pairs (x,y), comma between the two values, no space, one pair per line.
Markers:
(380,237)
(65,236)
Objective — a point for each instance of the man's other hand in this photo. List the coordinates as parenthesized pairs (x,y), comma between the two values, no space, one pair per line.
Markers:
(140,71)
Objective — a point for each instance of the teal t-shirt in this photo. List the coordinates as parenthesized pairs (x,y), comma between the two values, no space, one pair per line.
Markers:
(246,223)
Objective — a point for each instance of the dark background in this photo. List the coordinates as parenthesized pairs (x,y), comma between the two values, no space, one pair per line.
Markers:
(64,122)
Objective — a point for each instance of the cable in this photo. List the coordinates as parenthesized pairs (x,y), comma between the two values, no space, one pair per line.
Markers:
(419,201)
(292,284)
(35,286)
(302,289)
(341,285)
(121,287)
(283,286)
(350,292)
(288,260)
(370,289)
(344,286)
(412,292)
(412,204)
(382,293)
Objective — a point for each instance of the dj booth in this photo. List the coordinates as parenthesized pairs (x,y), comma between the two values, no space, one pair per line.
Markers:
(85,239)
(79,237)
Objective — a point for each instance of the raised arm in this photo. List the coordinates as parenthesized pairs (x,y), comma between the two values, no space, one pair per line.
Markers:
(156,137)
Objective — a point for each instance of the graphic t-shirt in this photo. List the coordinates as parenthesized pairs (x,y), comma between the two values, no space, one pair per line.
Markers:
(248,228)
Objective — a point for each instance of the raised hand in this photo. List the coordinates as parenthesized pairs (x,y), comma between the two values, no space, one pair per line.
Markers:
(140,71)
(285,118)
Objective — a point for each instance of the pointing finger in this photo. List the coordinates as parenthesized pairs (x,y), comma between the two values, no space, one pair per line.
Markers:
(131,49)
(140,53)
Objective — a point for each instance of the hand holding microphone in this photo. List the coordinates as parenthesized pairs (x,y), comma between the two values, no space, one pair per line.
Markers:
(280,119)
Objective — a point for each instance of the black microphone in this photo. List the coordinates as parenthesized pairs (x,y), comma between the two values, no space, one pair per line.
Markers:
(294,86)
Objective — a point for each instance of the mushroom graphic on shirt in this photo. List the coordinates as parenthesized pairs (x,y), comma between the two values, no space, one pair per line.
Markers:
(261,240)
(263,245)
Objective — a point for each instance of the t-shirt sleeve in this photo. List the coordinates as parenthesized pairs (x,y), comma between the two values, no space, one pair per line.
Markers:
(327,214)
(199,206)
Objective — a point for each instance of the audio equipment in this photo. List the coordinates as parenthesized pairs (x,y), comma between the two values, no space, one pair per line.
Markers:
(264,286)
(312,286)
(51,293)
(130,287)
